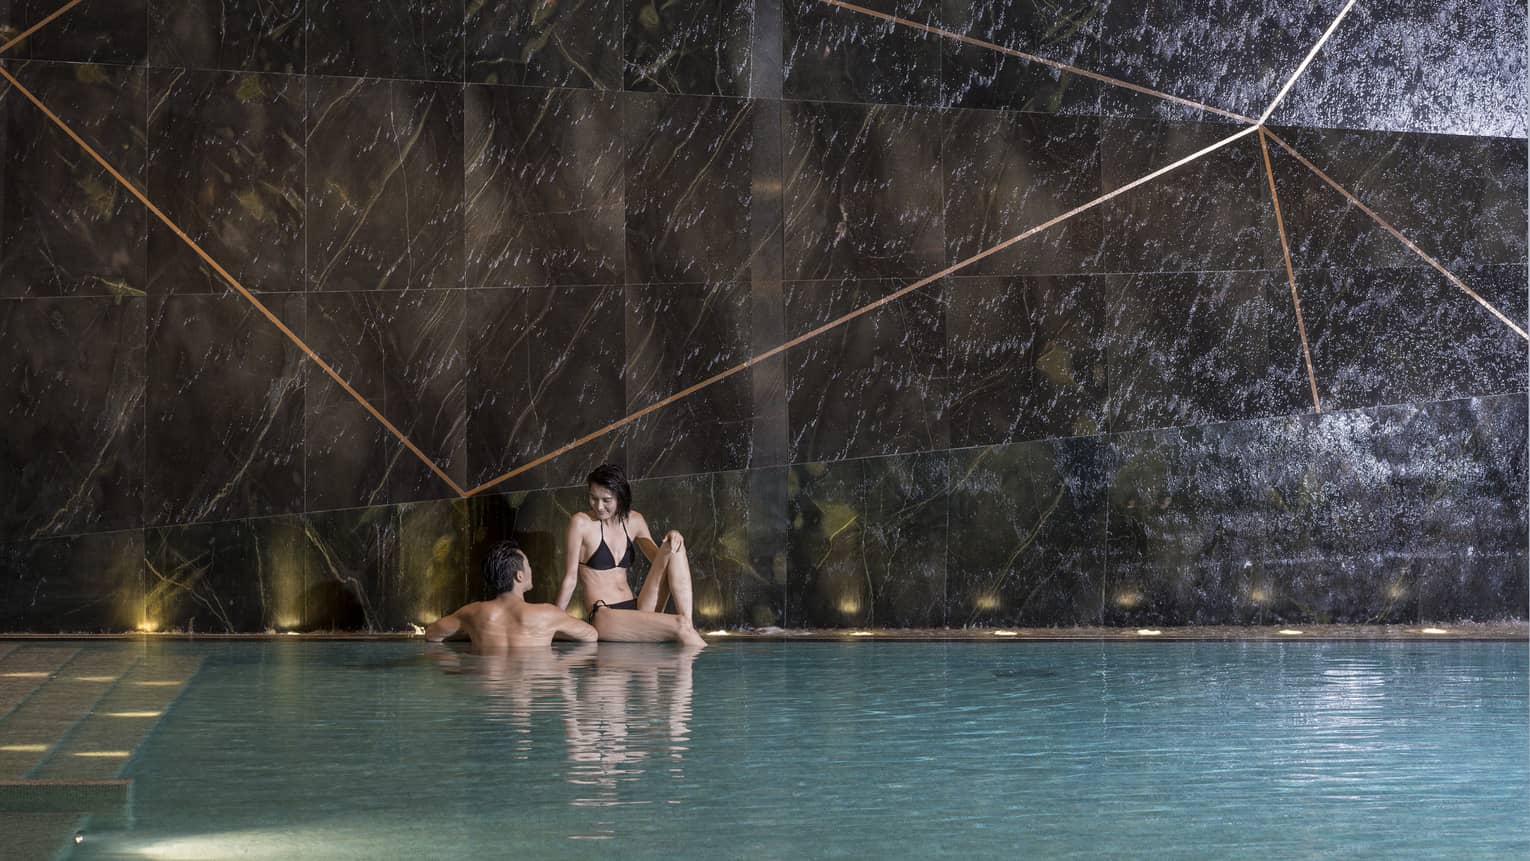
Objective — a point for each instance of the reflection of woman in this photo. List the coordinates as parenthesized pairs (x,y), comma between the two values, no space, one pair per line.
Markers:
(598,554)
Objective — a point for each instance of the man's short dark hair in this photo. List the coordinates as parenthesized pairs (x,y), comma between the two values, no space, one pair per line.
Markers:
(614,478)
(504,561)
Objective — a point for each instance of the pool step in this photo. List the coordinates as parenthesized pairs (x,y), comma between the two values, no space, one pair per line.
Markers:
(41,836)
(102,743)
(36,726)
(23,671)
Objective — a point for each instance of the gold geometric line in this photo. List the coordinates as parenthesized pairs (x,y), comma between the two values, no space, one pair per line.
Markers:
(230,279)
(1408,243)
(1306,61)
(864,309)
(1116,82)
(21,37)
(1285,248)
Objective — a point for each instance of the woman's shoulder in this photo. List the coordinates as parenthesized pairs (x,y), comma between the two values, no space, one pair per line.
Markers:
(580,520)
(635,519)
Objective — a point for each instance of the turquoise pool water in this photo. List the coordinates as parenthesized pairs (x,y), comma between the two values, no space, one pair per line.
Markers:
(822,750)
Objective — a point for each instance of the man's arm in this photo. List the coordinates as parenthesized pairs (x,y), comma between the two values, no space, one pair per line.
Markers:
(442,628)
(573,629)
(570,563)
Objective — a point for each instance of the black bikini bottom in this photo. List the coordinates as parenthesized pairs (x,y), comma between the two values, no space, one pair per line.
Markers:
(629,604)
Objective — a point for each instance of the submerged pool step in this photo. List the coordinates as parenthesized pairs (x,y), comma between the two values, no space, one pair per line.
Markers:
(24,670)
(39,723)
(102,743)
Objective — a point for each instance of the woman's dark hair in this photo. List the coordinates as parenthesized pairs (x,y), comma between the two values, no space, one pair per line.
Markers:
(502,564)
(613,478)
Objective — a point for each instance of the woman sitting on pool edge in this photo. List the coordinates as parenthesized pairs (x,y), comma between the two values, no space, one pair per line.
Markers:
(591,561)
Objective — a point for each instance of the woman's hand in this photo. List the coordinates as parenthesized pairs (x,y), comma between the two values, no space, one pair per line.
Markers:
(675,541)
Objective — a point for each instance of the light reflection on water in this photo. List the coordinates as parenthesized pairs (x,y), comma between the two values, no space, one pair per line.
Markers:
(1067,750)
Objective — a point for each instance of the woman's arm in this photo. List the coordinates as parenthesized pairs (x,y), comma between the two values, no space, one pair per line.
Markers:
(571,547)
(642,536)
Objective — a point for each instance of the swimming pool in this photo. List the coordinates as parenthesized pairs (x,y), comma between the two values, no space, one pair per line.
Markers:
(308,749)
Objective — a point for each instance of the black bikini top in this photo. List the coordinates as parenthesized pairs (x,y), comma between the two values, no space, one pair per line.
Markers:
(601,559)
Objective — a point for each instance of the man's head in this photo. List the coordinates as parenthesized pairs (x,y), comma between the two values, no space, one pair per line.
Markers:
(609,492)
(506,567)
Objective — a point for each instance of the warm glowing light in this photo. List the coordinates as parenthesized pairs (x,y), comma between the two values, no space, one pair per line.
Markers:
(1435,631)
(23,748)
(1128,599)
(850,606)
(1397,591)
(1289,631)
(290,633)
(709,610)
(1259,596)
(132,714)
(288,622)
(428,618)
(161,683)
(95,678)
(104,754)
(987,602)
(1006,633)
(717,633)
(148,626)
(1148,632)
(23,675)
(860,633)
(416,630)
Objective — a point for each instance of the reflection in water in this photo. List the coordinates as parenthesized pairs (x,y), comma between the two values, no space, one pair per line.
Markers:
(625,709)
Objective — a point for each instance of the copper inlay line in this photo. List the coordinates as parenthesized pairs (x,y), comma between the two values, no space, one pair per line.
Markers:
(1285,247)
(864,309)
(1116,82)
(1397,233)
(230,279)
(1264,117)
(22,36)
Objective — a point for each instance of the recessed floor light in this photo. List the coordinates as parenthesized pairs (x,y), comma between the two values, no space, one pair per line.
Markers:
(1289,631)
(1148,632)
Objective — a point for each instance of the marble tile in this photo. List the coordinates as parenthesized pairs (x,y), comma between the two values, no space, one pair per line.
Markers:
(834,54)
(545,187)
(90,584)
(347,453)
(352,565)
(1452,67)
(1381,336)
(68,228)
(679,335)
(546,43)
(867,542)
(1005,173)
(425,390)
(769,524)
(95,31)
(384,208)
(238,35)
(225,392)
(1462,200)
(1233,56)
(977,77)
(873,386)
(711,512)
(1031,546)
(228,577)
(699,48)
(688,172)
(226,164)
(1211,214)
(863,191)
(434,547)
(1197,348)
(1027,357)
(418,39)
(71,447)
(544,369)
(536,520)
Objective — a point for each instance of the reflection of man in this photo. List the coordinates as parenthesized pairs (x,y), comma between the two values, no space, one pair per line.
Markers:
(508,620)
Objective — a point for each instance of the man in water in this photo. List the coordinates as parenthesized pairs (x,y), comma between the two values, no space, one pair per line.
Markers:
(508,621)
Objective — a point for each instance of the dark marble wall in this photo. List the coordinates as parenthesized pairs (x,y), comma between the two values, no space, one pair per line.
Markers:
(507,225)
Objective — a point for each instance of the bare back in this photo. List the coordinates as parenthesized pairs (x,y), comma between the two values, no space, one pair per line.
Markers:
(499,625)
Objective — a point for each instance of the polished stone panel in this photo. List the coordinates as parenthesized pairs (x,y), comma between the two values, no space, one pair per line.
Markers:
(223,578)
(867,542)
(1211,214)
(689,161)
(977,77)
(1199,348)
(1382,336)
(425,390)
(1452,67)
(536,520)
(1027,357)
(353,575)
(679,335)
(544,368)
(95,31)
(700,48)
(711,513)
(244,35)
(67,227)
(225,392)
(346,450)
(838,55)
(1030,548)
(419,39)
(862,191)
(71,445)
(92,584)
(1462,200)
(769,523)
(1006,173)
(545,43)
(226,164)
(384,208)
(1234,56)
(875,385)
(434,547)
(544,187)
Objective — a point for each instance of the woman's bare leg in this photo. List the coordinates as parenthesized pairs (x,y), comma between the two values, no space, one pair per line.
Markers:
(642,626)
(671,572)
